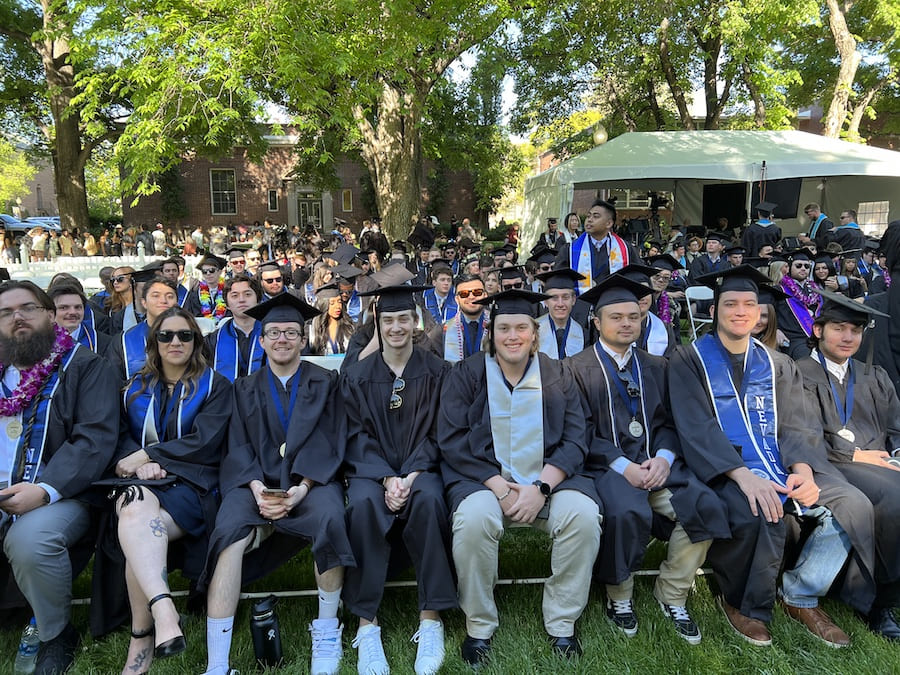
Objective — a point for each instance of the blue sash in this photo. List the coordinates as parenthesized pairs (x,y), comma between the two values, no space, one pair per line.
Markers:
(148,423)
(354,307)
(87,336)
(134,348)
(227,359)
(748,418)
(35,418)
(444,314)
(182,295)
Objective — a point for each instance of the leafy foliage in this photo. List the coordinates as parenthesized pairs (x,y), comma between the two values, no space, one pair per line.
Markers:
(15,172)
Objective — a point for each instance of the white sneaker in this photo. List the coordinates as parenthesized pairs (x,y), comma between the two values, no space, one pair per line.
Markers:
(430,653)
(326,646)
(371,659)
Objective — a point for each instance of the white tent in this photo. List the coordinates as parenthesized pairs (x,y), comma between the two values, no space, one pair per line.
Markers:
(836,174)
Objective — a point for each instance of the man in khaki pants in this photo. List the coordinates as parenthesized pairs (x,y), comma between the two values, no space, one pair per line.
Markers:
(512,433)
(635,459)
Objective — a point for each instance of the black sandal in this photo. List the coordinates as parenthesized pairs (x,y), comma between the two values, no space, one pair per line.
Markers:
(171,647)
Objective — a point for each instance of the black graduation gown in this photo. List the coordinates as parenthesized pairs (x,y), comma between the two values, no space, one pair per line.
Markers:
(628,517)
(431,340)
(703,264)
(792,330)
(875,422)
(756,236)
(849,238)
(464,429)
(747,565)
(315,442)
(884,337)
(382,443)
(194,459)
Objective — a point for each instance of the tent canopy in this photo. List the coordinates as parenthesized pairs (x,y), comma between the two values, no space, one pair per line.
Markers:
(683,161)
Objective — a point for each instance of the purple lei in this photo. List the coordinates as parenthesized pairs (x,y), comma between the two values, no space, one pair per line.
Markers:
(887,279)
(33,379)
(664,308)
(810,300)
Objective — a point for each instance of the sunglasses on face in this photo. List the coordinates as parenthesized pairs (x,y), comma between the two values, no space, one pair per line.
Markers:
(396,401)
(272,280)
(517,284)
(803,265)
(475,293)
(166,336)
(119,279)
(210,270)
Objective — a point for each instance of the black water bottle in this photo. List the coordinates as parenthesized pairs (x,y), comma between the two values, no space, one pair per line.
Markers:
(266,634)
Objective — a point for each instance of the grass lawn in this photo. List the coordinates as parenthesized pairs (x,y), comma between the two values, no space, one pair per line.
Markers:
(520,646)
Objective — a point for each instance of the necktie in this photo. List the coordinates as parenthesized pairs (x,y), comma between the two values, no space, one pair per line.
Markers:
(471,337)
(560,342)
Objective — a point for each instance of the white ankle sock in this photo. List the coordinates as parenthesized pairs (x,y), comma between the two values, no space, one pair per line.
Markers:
(218,643)
(328,603)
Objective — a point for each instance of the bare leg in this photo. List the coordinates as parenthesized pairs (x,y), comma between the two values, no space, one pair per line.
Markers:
(225,586)
(144,534)
(332,580)
(140,650)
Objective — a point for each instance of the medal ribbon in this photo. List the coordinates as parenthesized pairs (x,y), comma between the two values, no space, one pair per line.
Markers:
(631,402)
(162,425)
(846,411)
(273,388)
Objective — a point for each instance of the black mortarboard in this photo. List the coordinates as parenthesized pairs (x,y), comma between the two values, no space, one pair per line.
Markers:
(614,289)
(237,251)
(512,272)
(638,273)
(734,250)
(395,298)
(769,295)
(346,272)
(766,208)
(552,219)
(513,301)
(391,275)
(210,259)
(718,236)
(872,244)
(470,258)
(758,262)
(840,308)
(542,255)
(271,265)
(147,272)
(344,253)
(665,261)
(283,308)
(851,252)
(329,290)
(800,254)
(740,278)
(564,278)
(400,245)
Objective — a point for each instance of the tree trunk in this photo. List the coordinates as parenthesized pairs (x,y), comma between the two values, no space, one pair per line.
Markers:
(759,103)
(850,59)
(391,151)
(671,77)
(69,158)
(859,111)
(618,106)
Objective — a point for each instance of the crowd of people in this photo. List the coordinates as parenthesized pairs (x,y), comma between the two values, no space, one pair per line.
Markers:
(173,422)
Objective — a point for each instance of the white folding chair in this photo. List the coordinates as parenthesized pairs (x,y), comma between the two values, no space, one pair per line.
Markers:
(692,294)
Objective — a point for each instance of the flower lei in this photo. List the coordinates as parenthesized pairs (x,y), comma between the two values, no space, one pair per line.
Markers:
(887,279)
(33,378)
(810,300)
(206,303)
(664,307)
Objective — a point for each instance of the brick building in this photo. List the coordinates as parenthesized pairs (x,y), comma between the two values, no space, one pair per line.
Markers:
(234,190)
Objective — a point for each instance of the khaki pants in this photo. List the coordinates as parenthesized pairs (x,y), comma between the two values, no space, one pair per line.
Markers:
(574,527)
(677,571)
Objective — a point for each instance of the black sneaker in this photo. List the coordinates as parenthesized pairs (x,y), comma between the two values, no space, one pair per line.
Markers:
(882,622)
(56,656)
(684,625)
(621,613)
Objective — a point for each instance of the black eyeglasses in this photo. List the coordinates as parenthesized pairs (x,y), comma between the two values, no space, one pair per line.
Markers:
(274,333)
(475,293)
(166,336)
(634,391)
(396,400)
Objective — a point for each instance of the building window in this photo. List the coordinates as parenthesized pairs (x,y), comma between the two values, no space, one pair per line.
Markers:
(873,216)
(637,199)
(273,200)
(346,201)
(222,191)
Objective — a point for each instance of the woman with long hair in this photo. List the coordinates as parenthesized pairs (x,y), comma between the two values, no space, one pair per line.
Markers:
(174,419)
(856,285)
(330,332)
(321,275)
(777,270)
(122,292)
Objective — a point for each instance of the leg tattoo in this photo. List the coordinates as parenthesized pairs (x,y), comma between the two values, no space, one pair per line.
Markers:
(158,527)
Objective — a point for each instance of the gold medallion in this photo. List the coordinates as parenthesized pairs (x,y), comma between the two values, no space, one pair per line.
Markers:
(281,450)
(14,429)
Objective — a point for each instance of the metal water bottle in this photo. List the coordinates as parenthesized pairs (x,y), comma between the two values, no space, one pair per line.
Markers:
(266,634)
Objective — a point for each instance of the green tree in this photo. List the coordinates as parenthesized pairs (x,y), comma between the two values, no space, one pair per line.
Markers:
(16,173)
(104,194)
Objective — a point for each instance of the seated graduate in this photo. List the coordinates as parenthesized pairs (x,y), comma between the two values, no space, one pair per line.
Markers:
(234,345)
(860,414)
(463,334)
(668,286)
(128,350)
(764,460)
(174,418)
(70,303)
(208,298)
(512,433)
(884,335)
(559,334)
(95,320)
(58,430)
(656,336)
(636,460)
(395,495)
(279,485)
(439,300)
(796,312)
(330,332)
(170,269)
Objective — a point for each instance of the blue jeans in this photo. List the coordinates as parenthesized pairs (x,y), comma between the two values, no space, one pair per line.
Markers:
(820,561)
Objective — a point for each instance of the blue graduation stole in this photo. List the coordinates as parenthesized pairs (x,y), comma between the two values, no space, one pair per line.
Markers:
(134,348)
(146,410)
(748,417)
(441,315)
(227,359)
(354,307)
(182,295)
(87,332)
(35,418)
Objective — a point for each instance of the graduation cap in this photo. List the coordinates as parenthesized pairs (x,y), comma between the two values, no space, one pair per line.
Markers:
(344,253)
(851,252)
(395,298)
(758,262)
(564,278)
(283,308)
(328,291)
(766,208)
(270,265)
(400,245)
(503,250)
(512,272)
(210,259)
(872,244)
(237,251)
(392,275)
(614,289)
(665,261)
(472,257)
(468,244)
(346,273)
(734,250)
(542,256)
(513,301)
(551,220)
(840,308)
(769,295)
(448,244)
(800,254)
(638,273)
(741,278)
(718,236)
(147,273)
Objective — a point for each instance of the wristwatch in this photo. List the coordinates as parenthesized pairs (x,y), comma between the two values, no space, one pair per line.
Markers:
(543,487)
